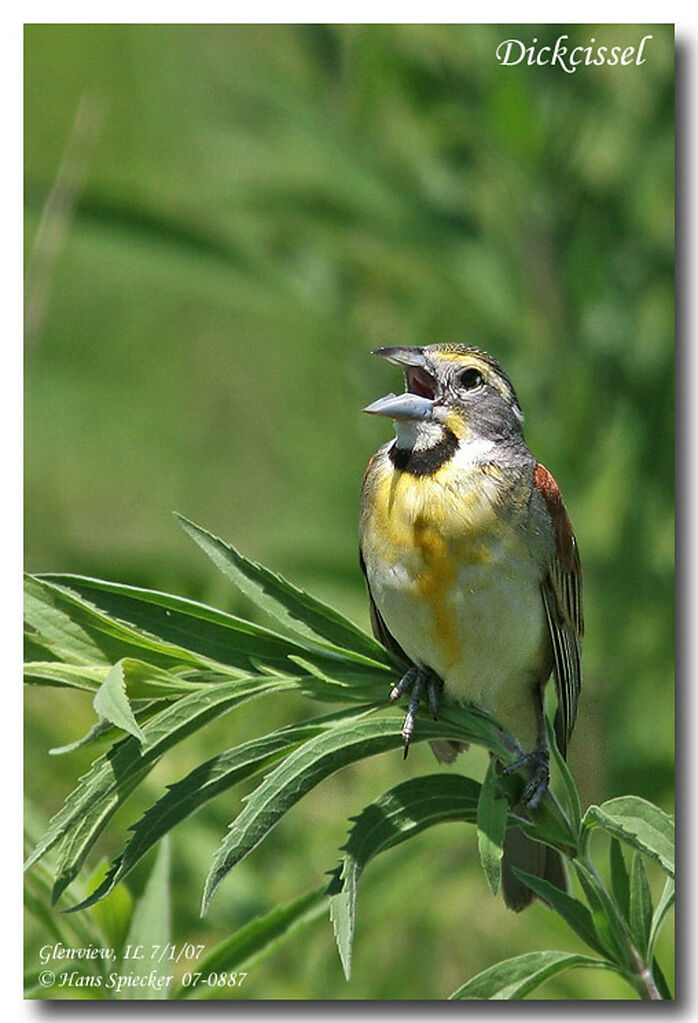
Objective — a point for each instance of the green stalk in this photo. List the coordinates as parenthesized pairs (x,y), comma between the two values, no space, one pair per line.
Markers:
(640,975)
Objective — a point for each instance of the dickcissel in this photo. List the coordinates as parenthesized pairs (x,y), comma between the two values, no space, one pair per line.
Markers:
(472,567)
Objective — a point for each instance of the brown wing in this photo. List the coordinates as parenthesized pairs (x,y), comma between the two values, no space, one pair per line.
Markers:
(562,597)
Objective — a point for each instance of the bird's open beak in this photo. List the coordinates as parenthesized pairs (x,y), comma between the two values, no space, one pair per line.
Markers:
(402,355)
(402,406)
(418,400)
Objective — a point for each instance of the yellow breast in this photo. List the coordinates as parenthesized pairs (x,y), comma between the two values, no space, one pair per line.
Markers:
(418,531)
(434,516)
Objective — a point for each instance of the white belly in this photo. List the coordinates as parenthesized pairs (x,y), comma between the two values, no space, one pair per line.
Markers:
(484,633)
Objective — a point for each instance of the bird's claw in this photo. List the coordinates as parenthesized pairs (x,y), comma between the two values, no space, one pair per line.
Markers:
(538,761)
(416,679)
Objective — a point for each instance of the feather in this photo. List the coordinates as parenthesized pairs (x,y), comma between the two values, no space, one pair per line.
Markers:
(562,597)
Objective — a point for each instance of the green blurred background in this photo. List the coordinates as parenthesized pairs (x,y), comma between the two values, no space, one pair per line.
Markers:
(222,221)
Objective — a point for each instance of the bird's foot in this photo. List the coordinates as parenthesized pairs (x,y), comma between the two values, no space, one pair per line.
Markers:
(538,762)
(418,680)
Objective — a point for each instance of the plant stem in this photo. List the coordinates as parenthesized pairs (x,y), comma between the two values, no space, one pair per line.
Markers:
(641,976)
(643,981)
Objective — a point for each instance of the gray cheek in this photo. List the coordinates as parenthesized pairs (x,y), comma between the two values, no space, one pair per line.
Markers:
(490,416)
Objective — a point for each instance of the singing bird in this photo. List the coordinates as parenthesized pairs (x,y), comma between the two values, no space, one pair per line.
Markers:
(472,567)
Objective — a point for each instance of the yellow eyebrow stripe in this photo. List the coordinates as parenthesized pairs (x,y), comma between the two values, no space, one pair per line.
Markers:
(468,358)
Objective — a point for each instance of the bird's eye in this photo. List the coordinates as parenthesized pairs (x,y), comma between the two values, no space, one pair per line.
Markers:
(470,379)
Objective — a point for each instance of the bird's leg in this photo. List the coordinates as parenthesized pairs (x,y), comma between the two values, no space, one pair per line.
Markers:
(537,762)
(405,683)
(434,687)
(416,679)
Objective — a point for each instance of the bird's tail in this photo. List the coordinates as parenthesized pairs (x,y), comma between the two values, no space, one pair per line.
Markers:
(533,858)
(519,850)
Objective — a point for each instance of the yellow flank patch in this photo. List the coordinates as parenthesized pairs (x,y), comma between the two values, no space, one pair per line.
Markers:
(435,580)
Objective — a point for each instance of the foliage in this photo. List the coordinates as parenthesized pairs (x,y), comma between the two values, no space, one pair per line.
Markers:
(74,622)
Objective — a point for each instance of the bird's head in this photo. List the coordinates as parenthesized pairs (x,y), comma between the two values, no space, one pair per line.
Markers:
(452,392)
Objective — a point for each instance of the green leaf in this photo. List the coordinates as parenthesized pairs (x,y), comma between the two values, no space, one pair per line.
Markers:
(150,929)
(620,882)
(34,650)
(573,912)
(111,703)
(345,680)
(111,776)
(81,928)
(518,977)
(94,734)
(294,608)
(179,630)
(202,784)
(661,981)
(640,824)
(408,808)
(143,681)
(113,914)
(665,903)
(70,676)
(256,940)
(547,823)
(79,837)
(65,635)
(105,731)
(569,793)
(77,632)
(474,724)
(640,916)
(348,741)
(492,811)
(343,913)
(397,815)
(608,924)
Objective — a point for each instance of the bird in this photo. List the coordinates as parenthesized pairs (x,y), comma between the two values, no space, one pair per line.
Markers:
(473,569)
